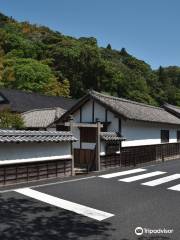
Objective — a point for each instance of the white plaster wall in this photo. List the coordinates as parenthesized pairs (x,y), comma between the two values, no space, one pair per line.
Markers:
(12,151)
(103,148)
(76,131)
(88,145)
(99,112)
(173,135)
(76,116)
(86,112)
(141,133)
(114,125)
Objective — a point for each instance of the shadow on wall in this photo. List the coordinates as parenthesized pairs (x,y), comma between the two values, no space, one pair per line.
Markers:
(26,219)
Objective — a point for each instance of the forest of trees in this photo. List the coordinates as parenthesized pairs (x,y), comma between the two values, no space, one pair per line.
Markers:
(35,58)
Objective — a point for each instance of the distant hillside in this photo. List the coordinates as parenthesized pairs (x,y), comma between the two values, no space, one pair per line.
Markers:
(35,58)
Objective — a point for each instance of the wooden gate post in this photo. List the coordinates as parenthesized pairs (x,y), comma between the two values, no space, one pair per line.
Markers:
(72,150)
(98,147)
(162,149)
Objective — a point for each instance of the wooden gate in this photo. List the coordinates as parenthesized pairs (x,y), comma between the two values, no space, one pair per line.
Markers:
(85,158)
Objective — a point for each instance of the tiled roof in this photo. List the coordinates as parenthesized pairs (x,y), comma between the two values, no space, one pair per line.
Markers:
(22,101)
(111,136)
(134,110)
(16,136)
(172,109)
(41,118)
(126,109)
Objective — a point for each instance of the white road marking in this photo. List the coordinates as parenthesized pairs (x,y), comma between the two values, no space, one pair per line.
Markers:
(67,205)
(118,174)
(48,184)
(142,176)
(175,188)
(66,181)
(162,180)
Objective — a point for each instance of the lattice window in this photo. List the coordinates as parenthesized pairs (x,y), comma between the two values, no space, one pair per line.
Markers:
(164,136)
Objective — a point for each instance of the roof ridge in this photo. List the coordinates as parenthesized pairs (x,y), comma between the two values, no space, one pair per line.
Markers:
(35,93)
(34,132)
(124,100)
(42,109)
(168,104)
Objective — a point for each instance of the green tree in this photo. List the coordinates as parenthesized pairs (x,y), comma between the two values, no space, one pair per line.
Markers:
(64,88)
(31,75)
(109,46)
(35,58)
(10,120)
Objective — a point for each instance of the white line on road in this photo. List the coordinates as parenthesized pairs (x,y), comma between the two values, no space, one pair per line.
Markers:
(67,205)
(66,181)
(175,188)
(142,176)
(118,174)
(162,180)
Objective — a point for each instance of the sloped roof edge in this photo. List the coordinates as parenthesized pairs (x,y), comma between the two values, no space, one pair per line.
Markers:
(126,109)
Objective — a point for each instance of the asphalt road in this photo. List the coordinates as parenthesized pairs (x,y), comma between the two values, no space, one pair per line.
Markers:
(131,203)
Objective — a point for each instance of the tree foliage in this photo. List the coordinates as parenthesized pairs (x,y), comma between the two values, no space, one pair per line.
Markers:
(31,75)
(10,120)
(35,58)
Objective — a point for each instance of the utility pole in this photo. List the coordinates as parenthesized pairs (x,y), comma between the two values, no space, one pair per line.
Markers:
(98,146)
(72,149)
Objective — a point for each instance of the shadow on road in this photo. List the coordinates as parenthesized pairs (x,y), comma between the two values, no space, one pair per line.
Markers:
(148,238)
(26,219)
(154,238)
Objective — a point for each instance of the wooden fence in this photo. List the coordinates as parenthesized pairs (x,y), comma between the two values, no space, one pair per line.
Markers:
(20,173)
(131,156)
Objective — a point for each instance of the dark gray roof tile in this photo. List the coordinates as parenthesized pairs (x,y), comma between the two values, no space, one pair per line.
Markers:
(22,101)
(112,136)
(41,118)
(17,136)
(172,109)
(134,110)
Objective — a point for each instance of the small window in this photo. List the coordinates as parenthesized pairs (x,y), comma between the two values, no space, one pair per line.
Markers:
(88,134)
(178,136)
(164,136)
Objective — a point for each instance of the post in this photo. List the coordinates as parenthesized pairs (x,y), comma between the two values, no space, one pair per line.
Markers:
(162,149)
(98,146)
(72,150)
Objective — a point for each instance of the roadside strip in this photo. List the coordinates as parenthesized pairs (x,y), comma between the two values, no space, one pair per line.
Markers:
(49,184)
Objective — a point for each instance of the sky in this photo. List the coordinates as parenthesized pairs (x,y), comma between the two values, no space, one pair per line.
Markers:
(148,29)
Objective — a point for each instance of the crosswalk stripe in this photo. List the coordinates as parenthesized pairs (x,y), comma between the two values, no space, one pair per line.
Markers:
(175,188)
(118,174)
(67,205)
(142,176)
(162,180)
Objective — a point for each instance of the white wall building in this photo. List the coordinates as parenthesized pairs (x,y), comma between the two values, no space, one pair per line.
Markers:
(33,155)
(138,123)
